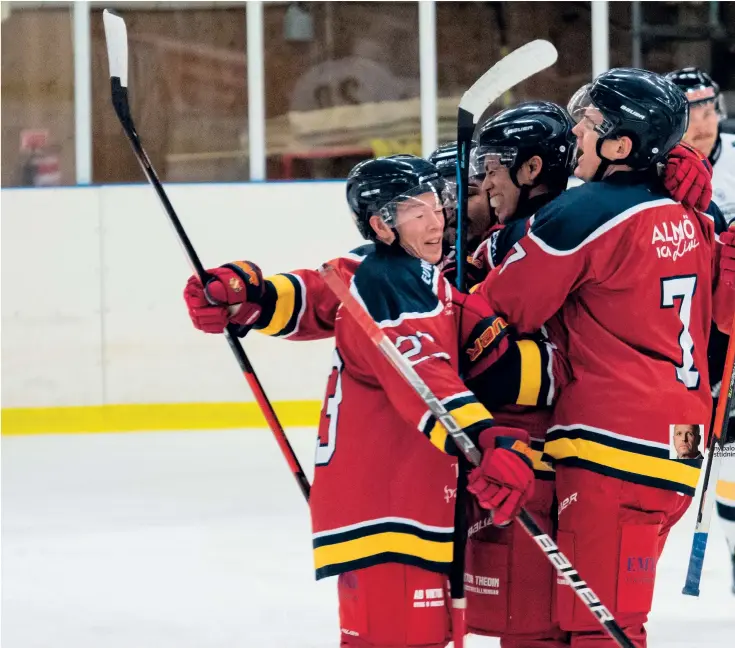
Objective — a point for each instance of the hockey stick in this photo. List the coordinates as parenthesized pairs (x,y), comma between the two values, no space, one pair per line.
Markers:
(706,499)
(471,452)
(116,37)
(496,82)
(519,65)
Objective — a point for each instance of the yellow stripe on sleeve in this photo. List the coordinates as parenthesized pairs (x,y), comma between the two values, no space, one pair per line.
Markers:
(530,373)
(438,436)
(286,298)
(726,490)
(469,414)
(631,462)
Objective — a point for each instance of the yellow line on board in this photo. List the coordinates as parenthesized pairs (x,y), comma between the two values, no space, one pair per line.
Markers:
(158,416)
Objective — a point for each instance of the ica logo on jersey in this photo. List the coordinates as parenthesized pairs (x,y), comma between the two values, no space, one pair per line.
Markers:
(673,240)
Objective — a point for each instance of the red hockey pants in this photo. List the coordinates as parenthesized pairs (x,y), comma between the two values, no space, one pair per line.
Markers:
(613,532)
(393,606)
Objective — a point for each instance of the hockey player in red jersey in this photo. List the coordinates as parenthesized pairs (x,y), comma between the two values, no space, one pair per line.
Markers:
(630,275)
(382,514)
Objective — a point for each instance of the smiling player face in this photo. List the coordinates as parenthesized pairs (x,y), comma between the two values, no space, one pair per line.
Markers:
(420,225)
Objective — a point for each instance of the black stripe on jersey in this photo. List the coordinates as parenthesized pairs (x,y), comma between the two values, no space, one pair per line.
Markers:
(382,527)
(546,393)
(380,559)
(519,377)
(451,403)
(499,384)
(268,304)
(545,475)
(726,512)
(627,459)
(283,305)
(604,439)
(541,470)
(624,475)
(394,286)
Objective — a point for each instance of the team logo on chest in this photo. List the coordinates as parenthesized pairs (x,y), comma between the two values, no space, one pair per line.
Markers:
(674,239)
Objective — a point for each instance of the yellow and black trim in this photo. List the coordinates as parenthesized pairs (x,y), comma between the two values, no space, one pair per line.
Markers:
(541,469)
(725,492)
(283,305)
(621,457)
(522,375)
(470,414)
(381,541)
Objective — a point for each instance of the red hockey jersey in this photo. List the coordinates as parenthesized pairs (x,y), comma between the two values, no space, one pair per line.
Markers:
(384,488)
(630,275)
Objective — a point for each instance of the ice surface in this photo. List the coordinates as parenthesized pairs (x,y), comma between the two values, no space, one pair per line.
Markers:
(194,539)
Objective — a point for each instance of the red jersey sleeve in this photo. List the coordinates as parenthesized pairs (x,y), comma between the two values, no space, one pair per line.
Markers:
(723,300)
(299,306)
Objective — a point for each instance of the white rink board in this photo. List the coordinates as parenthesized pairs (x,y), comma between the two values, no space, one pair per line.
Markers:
(51,298)
(191,539)
(108,268)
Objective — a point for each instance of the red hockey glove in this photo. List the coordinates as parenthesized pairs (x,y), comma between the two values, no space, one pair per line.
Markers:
(239,284)
(688,177)
(727,258)
(503,482)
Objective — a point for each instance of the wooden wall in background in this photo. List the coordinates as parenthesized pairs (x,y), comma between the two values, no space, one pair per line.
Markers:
(189,72)
(37,87)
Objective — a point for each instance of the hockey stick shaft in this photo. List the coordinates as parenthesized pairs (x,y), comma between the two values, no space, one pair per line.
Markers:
(116,36)
(471,452)
(465,131)
(714,457)
(501,77)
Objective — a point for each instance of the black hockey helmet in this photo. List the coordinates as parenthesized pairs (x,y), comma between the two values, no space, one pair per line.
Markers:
(645,106)
(378,185)
(699,88)
(516,134)
(445,159)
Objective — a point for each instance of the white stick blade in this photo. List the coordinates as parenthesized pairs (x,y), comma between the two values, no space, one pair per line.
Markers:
(517,66)
(116,36)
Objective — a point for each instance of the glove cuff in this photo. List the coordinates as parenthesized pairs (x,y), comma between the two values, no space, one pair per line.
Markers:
(488,437)
(517,447)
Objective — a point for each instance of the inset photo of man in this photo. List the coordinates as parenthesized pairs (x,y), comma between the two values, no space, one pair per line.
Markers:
(686,441)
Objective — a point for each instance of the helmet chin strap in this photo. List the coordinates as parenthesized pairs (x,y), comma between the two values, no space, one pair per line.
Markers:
(604,162)
(525,189)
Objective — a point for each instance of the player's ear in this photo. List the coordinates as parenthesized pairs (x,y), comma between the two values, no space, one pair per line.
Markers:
(384,232)
(619,149)
(534,166)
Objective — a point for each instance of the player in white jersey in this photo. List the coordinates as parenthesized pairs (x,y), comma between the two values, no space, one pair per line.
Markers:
(710,132)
